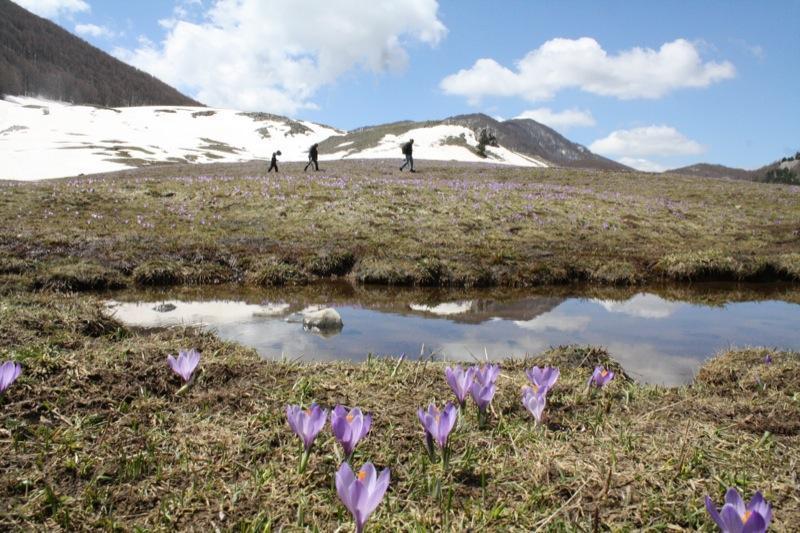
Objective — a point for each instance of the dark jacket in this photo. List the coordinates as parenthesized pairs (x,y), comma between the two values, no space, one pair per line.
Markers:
(408,148)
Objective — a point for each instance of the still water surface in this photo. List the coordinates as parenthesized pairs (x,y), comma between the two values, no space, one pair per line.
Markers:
(656,338)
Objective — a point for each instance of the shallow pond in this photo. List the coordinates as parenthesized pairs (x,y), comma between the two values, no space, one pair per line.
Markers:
(659,334)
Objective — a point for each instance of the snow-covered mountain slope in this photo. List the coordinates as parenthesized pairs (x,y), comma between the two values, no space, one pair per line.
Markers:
(521,142)
(45,139)
(443,142)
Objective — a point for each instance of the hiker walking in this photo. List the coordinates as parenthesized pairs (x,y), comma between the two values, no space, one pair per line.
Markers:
(313,154)
(408,149)
(274,162)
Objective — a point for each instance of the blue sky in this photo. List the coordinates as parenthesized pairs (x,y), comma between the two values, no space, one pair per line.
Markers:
(711,81)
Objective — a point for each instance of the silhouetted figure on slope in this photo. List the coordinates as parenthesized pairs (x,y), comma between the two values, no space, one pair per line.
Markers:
(313,154)
(408,150)
(274,162)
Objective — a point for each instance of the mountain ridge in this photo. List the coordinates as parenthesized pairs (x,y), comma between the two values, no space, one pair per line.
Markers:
(40,58)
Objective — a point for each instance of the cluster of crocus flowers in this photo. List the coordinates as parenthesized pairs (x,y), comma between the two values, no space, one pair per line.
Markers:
(736,517)
(600,377)
(361,492)
(9,372)
(349,427)
(185,364)
(306,424)
(534,398)
(438,425)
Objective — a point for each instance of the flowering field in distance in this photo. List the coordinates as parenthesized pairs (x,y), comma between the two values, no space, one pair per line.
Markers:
(447,225)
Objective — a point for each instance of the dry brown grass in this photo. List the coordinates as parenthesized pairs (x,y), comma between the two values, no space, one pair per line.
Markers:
(95,437)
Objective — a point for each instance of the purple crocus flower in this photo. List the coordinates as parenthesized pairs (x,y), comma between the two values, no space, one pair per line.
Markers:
(185,363)
(534,401)
(482,394)
(487,374)
(438,424)
(768,359)
(306,423)
(460,380)
(601,377)
(361,493)
(736,517)
(349,427)
(543,378)
(9,372)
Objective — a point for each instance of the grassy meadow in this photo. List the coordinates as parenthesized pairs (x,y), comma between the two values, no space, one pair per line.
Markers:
(97,434)
(447,225)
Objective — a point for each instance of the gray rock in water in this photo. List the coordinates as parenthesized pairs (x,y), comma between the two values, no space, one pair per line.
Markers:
(323,320)
(164,308)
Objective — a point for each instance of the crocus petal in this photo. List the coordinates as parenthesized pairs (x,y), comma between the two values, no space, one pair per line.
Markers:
(344,482)
(711,507)
(365,426)
(9,372)
(732,497)
(759,505)
(731,519)
(755,524)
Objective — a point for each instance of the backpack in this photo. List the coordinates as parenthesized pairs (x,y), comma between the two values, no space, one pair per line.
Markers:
(406,148)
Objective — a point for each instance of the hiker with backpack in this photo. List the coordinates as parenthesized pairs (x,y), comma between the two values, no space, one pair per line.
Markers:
(313,154)
(274,162)
(408,149)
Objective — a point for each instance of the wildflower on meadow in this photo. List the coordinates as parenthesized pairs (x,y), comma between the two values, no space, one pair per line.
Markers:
(601,377)
(9,372)
(460,381)
(736,517)
(487,374)
(361,493)
(482,394)
(306,424)
(438,425)
(768,359)
(534,401)
(349,427)
(185,364)
(543,378)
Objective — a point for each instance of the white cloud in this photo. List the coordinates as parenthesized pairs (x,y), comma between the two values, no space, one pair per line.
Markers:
(560,120)
(274,55)
(54,8)
(93,30)
(642,164)
(647,141)
(551,321)
(642,306)
(582,63)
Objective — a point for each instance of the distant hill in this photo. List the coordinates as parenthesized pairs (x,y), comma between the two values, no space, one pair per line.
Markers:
(786,170)
(707,170)
(39,58)
(522,142)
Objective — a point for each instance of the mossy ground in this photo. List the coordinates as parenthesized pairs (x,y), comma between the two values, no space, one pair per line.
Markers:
(94,436)
(448,225)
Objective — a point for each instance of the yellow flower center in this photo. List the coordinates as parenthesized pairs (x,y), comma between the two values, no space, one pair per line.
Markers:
(349,418)
(535,388)
(746,516)
(361,475)
(308,411)
(438,417)
(604,373)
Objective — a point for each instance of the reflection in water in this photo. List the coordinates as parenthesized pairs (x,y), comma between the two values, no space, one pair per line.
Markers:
(655,340)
